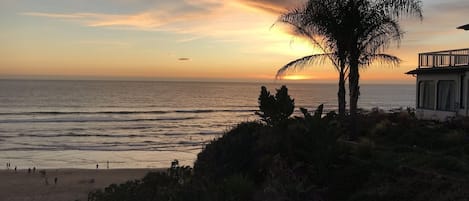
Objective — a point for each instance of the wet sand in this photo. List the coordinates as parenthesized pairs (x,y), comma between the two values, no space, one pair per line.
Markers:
(72,184)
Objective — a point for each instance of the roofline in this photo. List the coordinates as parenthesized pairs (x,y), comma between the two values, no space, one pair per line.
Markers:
(436,70)
(442,51)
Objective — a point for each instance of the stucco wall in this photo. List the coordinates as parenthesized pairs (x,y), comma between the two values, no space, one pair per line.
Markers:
(443,115)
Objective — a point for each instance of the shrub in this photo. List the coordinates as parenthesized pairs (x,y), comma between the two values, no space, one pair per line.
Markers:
(233,153)
(275,109)
(365,148)
(306,158)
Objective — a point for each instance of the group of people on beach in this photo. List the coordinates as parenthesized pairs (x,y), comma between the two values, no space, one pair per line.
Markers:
(9,166)
(33,170)
(107,165)
(16,168)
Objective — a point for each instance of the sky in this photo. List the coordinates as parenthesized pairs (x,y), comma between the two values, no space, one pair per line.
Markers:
(190,40)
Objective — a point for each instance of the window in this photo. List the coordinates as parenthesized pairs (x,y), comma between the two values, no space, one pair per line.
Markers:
(446,95)
(427,95)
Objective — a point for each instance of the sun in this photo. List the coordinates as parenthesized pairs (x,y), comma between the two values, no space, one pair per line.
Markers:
(298,77)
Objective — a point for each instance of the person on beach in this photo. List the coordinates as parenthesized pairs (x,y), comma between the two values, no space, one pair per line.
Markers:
(29,170)
(34,169)
(55,180)
(15,169)
(97,166)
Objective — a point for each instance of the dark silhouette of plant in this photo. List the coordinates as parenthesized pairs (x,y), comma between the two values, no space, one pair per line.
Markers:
(228,155)
(307,158)
(372,26)
(315,22)
(182,174)
(401,158)
(275,109)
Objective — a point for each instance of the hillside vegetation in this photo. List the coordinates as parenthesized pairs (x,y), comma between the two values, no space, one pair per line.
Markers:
(397,157)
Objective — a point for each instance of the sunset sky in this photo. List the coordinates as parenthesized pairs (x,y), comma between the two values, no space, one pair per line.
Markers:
(188,39)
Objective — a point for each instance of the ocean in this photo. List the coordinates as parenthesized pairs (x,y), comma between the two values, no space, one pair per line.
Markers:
(142,124)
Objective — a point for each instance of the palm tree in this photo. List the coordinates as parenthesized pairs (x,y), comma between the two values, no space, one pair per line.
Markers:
(358,32)
(313,22)
(373,26)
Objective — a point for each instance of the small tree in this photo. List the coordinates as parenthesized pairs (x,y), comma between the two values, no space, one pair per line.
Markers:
(275,109)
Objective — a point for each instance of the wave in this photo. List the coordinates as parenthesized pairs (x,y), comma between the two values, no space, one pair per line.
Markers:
(212,111)
(176,146)
(127,112)
(73,134)
(135,127)
(92,120)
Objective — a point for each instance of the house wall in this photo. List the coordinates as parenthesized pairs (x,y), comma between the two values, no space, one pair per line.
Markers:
(461,105)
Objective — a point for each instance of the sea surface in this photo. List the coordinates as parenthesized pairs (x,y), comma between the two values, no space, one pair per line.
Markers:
(133,124)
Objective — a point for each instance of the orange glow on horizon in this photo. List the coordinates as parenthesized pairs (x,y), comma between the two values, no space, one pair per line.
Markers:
(298,77)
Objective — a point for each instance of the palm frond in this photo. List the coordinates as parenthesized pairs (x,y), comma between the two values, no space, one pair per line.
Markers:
(382,59)
(398,8)
(301,63)
(379,36)
(297,19)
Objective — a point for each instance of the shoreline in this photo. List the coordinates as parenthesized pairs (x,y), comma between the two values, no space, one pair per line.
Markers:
(71,184)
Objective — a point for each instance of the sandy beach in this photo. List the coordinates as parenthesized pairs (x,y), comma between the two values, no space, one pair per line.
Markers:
(72,184)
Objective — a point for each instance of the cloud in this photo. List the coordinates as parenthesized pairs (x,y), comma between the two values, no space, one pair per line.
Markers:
(57,15)
(244,22)
(193,18)
(105,43)
(144,20)
(272,6)
(174,16)
(159,15)
(183,59)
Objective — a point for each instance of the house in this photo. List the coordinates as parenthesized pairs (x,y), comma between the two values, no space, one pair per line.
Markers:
(442,84)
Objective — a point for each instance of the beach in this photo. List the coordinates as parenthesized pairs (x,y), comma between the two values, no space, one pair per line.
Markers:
(72,184)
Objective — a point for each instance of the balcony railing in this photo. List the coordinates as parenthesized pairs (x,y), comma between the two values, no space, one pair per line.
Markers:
(447,58)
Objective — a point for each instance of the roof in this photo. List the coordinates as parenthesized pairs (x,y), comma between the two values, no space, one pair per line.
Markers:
(439,70)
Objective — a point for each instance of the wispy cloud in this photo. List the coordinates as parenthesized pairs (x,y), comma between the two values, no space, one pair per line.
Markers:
(196,19)
(153,18)
(143,20)
(272,6)
(183,59)
(243,24)
(105,43)
(58,15)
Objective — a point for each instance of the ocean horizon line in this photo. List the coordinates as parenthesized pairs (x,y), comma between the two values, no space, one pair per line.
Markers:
(215,80)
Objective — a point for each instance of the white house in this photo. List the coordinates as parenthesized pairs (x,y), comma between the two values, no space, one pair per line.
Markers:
(442,84)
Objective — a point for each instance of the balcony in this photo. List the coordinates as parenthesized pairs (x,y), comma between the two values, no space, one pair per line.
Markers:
(447,58)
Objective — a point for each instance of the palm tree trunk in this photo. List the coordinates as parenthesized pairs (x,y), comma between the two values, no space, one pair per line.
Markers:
(341,94)
(354,89)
